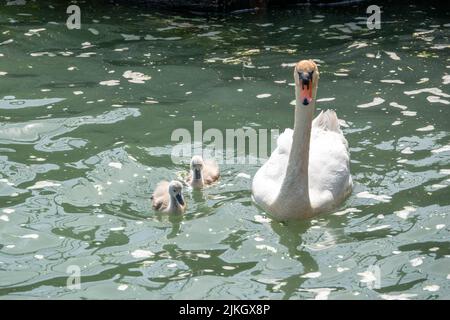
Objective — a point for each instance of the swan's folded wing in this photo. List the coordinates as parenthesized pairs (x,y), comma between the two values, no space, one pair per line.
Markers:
(327,120)
(329,168)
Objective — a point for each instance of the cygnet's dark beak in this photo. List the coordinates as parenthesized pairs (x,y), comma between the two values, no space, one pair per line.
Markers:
(180,199)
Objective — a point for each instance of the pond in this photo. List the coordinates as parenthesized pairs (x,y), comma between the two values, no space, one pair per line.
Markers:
(86,123)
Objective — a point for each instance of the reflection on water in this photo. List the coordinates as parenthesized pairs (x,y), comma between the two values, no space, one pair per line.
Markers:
(85,134)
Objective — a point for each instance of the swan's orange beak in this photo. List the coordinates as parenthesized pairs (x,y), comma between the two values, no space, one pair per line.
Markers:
(305,79)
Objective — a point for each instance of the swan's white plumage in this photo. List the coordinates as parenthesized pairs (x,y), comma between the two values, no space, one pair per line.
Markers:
(328,171)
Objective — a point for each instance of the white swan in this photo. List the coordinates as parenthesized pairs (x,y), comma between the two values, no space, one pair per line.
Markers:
(168,197)
(309,171)
(202,172)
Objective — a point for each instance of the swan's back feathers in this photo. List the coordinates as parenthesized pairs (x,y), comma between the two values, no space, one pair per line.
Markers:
(327,120)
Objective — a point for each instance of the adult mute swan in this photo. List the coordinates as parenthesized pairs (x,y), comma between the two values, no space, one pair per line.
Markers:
(202,172)
(308,172)
(168,197)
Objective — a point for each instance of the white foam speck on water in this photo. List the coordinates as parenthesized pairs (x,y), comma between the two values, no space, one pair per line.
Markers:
(280,81)
(6,42)
(39,256)
(209,34)
(396,252)
(311,275)
(442,149)
(258,239)
(228,268)
(405,212)
(446,79)
(435,99)
(440,46)
(392,55)
(384,226)
(122,287)
(30,236)
(434,249)
(130,37)
(358,45)
(243,175)
(348,210)
(375,102)
(117,229)
(3,73)
(435,187)
(33,32)
(392,81)
(142,253)
(423,80)
(416,261)
(341,269)
(86,54)
(440,226)
(407,150)
(427,128)
(320,293)
(94,31)
(43,184)
(135,77)
(368,195)
(402,296)
(435,91)
(292,103)
(431,288)
(266,247)
(203,255)
(109,83)
(409,113)
(262,219)
(397,122)
(116,165)
(172,265)
(78,92)
(263,95)
(288,65)
(4,218)
(396,105)
(442,171)
(324,99)
(367,277)
(448,276)
(10,246)
(8,210)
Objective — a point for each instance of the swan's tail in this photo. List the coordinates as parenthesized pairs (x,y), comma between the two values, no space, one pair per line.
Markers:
(327,120)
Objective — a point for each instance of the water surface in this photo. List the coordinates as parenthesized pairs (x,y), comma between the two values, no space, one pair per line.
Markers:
(86,118)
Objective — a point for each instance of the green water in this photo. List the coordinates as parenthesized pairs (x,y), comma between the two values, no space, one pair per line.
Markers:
(79,159)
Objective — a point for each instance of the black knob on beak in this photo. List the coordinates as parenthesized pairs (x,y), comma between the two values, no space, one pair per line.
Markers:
(305,78)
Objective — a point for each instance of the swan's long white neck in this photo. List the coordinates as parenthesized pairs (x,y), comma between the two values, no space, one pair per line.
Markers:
(295,185)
